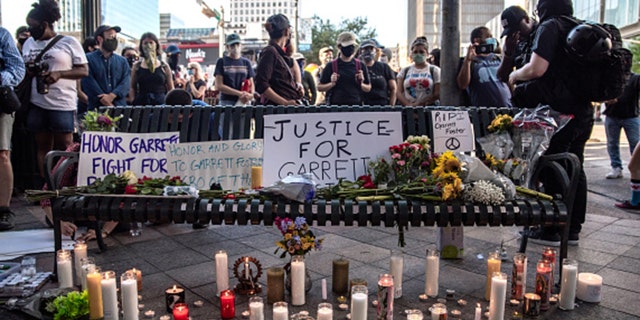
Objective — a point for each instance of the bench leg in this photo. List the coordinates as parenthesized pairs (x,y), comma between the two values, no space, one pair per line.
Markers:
(96,226)
(524,240)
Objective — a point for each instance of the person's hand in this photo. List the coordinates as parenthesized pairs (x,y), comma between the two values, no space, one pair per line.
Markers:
(51,76)
(245,97)
(291,102)
(106,99)
(300,88)
(471,52)
(334,77)
(67,228)
(513,78)
(360,76)
(510,44)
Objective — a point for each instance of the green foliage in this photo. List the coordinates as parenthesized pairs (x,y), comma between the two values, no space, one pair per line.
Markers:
(324,34)
(73,305)
(635,49)
(110,184)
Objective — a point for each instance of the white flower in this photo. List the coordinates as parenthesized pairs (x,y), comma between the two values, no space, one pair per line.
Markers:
(484,192)
(131,177)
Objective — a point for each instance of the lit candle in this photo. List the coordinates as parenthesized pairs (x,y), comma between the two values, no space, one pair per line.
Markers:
(340,278)
(325,311)
(87,263)
(550,255)
(256,177)
(478,315)
(414,314)
(568,287)
(298,275)
(79,253)
(129,293)
(109,295)
(439,311)
(359,302)
(385,296)
(95,294)
(432,273)
(589,287)
(493,265)
(396,266)
(222,271)
(498,296)
(227,304)
(246,268)
(324,289)
(519,276)
(173,296)
(65,269)
(180,311)
(280,311)
(138,274)
(543,283)
(256,308)
(275,285)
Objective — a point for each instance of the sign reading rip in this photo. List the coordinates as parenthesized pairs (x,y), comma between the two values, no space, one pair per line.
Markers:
(452,131)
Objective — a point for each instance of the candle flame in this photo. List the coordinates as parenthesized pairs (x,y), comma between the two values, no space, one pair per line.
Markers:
(478,305)
(175,287)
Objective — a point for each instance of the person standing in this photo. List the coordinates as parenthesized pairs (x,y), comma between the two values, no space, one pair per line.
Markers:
(173,56)
(419,83)
(478,74)
(196,85)
(308,80)
(151,77)
(325,56)
(109,77)
(519,29)
(622,113)
(550,58)
(231,72)
(11,73)
(383,82)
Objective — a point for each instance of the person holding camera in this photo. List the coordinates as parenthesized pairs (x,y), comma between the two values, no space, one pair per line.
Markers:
(478,74)
(52,108)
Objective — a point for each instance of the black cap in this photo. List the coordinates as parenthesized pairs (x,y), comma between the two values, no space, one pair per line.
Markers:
(233,39)
(370,43)
(101,29)
(511,18)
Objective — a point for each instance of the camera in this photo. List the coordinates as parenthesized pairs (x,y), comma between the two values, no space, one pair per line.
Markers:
(484,48)
(38,69)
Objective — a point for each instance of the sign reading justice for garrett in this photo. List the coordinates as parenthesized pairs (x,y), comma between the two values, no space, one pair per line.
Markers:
(329,146)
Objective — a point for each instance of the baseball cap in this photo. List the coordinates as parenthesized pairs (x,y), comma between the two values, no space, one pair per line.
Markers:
(369,43)
(346,39)
(172,49)
(298,56)
(101,29)
(233,39)
(511,18)
(325,49)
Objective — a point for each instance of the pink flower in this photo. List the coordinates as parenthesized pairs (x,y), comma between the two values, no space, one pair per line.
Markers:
(401,162)
(395,156)
(415,146)
(103,120)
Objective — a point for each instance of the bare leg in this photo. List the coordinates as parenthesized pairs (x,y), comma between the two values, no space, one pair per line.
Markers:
(6,178)
(44,143)
(634,164)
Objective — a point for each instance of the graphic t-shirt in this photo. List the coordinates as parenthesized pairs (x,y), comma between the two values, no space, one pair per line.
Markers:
(485,89)
(419,83)
(233,72)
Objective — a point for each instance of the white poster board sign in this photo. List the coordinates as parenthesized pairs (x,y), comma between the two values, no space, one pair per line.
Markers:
(452,131)
(102,153)
(329,146)
(225,162)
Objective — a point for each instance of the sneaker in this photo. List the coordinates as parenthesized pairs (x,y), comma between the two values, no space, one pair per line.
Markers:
(627,205)
(615,173)
(574,239)
(6,220)
(538,236)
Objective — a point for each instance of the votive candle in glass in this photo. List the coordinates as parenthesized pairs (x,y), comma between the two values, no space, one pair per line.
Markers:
(138,274)
(129,295)
(359,302)
(222,271)
(566,300)
(172,296)
(325,311)
(493,265)
(439,311)
(180,311)
(544,271)
(414,314)
(396,268)
(385,296)
(79,252)
(432,273)
(65,269)
(256,308)
(589,287)
(94,290)
(227,304)
(87,264)
(280,311)
(109,296)
(519,276)
(498,296)
(340,278)
(298,277)
(275,285)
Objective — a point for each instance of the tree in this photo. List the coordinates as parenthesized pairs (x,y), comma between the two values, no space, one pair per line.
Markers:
(634,46)
(324,34)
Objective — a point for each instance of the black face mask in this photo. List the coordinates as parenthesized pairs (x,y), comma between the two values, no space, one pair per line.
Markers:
(37,32)
(173,61)
(110,45)
(348,50)
(21,41)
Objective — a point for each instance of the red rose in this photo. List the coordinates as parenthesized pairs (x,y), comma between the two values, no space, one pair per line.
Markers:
(369,185)
(130,189)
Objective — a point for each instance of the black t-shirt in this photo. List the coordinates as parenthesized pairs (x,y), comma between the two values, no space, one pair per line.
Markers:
(627,105)
(198,83)
(380,74)
(347,91)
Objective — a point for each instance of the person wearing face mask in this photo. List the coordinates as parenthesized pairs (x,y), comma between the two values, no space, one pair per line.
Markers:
(308,81)
(419,83)
(151,78)
(196,85)
(478,74)
(231,72)
(173,58)
(109,76)
(22,34)
(383,81)
(345,79)
(275,80)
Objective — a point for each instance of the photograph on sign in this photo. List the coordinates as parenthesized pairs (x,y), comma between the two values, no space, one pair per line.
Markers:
(103,153)
(227,163)
(452,131)
(329,146)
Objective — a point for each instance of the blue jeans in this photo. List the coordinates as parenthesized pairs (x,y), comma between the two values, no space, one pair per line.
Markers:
(613,127)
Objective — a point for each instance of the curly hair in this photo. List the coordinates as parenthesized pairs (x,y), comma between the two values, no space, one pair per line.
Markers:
(45,10)
(152,36)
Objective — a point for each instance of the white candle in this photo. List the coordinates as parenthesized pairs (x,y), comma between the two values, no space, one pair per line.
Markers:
(324,289)
(498,296)
(297,281)
(246,268)
(432,273)
(65,269)
(359,305)
(280,311)
(589,287)
(396,267)
(109,296)
(325,311)
(87,265)
(568,287)
(129,290)
(222,272)
(478,315)
(256,308)
(79,252)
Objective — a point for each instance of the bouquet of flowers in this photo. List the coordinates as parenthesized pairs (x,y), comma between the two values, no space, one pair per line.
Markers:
(410,161)
(95,121)
(297,239)
(498,143)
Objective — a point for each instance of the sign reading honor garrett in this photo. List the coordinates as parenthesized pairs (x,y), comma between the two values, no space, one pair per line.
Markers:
(225,162)
(452,131)
(329,146)
(102,153)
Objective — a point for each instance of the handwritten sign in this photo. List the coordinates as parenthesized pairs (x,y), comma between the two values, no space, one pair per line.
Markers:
(329,146)
(225,162)
(102,153)
(452,131)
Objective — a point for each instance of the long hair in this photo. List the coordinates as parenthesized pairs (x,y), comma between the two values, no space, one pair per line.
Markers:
(150,35)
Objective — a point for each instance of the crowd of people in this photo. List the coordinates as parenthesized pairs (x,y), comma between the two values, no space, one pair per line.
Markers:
(72,78)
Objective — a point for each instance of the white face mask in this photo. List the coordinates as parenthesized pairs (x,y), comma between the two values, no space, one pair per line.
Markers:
(234,51)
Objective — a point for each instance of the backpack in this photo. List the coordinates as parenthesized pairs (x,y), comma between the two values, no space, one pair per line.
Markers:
(334,69)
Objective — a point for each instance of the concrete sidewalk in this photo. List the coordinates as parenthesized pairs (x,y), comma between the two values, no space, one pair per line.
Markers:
(177,254)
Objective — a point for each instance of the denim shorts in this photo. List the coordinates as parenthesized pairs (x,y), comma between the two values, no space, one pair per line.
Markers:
(41,120)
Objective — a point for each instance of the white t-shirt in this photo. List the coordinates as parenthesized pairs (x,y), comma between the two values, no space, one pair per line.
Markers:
(419,83)
(66,53)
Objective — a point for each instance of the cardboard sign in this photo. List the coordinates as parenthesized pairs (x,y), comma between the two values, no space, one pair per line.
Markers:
(452,131)
(329,146)
(225,162)
(102,153)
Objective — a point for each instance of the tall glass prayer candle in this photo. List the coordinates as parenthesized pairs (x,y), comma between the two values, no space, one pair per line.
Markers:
(65,269)
(129,295)
(222,271)
(396,268)
(109,296)
(172,296)
(519,276)
(498,296)
(181,311)
(138,274)
(256,177)
(550,254)
(256,308)
(280,311)
(432,273)
(356,281)
(493,265)
(79,252)
(227,304)
(359,302)
(298,276)
(88,263)
(567,296)
(385,296)
(340,278)
(94,290)
(544,271)
(275,285)
(325,311)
